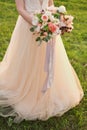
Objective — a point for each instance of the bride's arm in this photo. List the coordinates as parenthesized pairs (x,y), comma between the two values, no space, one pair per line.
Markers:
(20,5)
(51,6)
(51,3)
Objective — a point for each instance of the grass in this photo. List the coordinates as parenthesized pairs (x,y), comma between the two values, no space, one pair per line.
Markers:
(76,47)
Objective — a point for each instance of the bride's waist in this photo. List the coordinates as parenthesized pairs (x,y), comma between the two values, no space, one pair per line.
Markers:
(34,10)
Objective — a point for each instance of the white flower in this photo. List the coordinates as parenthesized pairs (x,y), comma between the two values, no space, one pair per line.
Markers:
(43,24)
(52,18)
(35,21)
(58,31)
(57,21)
(61,9)
(48,13)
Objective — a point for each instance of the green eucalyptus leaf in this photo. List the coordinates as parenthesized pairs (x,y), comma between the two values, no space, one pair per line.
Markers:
(32,29)
(38,39)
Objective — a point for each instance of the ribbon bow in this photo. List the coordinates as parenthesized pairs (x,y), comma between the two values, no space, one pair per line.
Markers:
(49,65)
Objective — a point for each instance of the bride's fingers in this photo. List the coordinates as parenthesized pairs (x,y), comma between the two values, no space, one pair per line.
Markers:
(53,11)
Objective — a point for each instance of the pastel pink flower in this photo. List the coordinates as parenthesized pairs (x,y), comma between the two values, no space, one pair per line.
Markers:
(68,19)
(70,26)
(45,33)
(39,24)
(44,17)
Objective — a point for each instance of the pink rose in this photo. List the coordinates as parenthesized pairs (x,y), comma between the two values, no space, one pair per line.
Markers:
(52,27)
(44,18)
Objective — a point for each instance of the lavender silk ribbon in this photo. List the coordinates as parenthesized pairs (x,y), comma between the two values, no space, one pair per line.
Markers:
(49,65)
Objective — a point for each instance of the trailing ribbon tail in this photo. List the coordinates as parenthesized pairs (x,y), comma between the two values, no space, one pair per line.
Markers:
(49,65)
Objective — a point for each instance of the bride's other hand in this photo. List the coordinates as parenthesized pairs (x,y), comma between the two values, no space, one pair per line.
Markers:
(20,5)
(51,6)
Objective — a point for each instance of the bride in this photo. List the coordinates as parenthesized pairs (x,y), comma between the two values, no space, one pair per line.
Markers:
(22,74)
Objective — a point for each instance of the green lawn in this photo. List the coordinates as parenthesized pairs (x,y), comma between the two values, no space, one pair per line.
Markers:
(76,47)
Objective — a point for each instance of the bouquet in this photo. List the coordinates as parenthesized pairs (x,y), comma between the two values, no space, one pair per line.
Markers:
(49,23)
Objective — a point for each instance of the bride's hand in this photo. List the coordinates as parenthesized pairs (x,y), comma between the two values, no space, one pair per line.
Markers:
(31,16)
(52,8)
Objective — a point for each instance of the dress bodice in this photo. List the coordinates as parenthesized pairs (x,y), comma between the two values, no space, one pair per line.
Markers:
(35,5)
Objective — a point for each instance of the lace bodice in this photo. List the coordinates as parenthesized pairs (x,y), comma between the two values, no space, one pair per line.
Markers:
(34,5)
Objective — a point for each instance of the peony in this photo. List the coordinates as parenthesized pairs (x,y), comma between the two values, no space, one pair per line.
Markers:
(61,9)
(52,27)
(35,21)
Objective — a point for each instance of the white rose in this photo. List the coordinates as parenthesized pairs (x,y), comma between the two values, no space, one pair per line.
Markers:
(61,9)
(35,21)
(52,18)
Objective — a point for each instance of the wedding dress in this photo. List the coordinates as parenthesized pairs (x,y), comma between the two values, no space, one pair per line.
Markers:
(22,75)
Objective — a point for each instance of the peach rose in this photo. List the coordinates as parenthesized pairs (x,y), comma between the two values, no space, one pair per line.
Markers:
(44,17)
(52,27)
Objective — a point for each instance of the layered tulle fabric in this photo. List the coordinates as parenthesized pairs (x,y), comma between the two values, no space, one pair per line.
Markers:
(23,74)
(22,77)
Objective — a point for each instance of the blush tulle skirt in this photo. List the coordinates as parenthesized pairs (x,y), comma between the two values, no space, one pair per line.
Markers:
(22,77)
